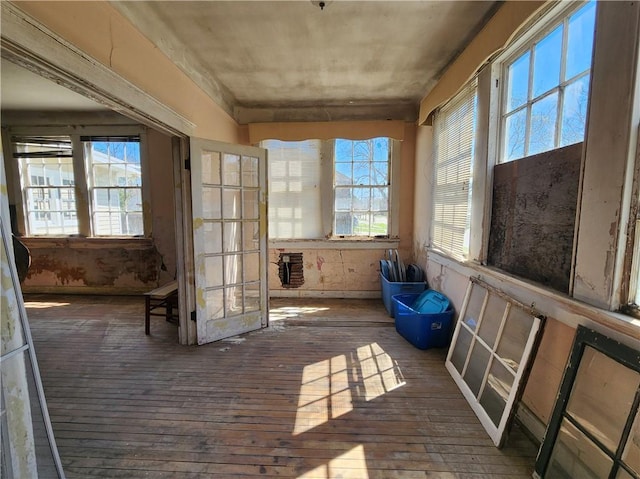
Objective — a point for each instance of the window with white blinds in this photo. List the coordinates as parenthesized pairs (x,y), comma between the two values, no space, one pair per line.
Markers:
(454,140)
(294,189)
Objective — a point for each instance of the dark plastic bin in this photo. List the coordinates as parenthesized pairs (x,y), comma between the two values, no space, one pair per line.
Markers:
(389,289)
(423,330)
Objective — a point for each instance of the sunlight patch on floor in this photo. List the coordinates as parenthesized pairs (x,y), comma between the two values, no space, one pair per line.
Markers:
(350,465)
(328,387)
(43,304)
(288,312)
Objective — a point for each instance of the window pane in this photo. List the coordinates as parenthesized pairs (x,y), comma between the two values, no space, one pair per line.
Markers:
(518,82)
(492,319)
(345,223)
(515,130)
(233,301)
(231,170)
(574,455)
(580,42)
(542,132)
(233,269)
(212,237)
(251,267)
(360,209)
(514,337)
(602,396)
(211,167)
(343,151)
(380,173)
(361,173)
(231,203)
(472,313)
(478,362)
(574,111)
(232,236)
(294,189)
(251,235)
(46,175)
(250,170)
(344,175)
(461,349)
(381,150)
(496,391)
(115,177)
(631,454)
(213,271)
(379,199)
(546,64)
(361,199)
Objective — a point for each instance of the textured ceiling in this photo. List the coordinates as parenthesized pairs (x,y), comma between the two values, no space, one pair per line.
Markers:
(290,61)
(265,60)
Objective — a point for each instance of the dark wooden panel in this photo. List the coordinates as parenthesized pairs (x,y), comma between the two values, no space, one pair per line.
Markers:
(533,216)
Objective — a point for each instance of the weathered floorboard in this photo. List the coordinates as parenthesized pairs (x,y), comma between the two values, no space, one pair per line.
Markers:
(329,390)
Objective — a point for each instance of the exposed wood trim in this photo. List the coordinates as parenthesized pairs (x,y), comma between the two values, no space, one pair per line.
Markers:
(28,43)
(609,154)
(550,303)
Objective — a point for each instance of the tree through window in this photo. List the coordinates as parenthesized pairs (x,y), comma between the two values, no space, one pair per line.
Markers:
(361,187)
(547,88)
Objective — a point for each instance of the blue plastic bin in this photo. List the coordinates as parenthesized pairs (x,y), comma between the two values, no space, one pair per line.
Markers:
(423,330)
(389,289)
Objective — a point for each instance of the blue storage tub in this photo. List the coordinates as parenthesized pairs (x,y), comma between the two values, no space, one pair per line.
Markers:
(389,289)
(423,330)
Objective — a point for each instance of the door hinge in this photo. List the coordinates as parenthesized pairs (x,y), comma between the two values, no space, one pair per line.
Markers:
(193,315)
(187,164)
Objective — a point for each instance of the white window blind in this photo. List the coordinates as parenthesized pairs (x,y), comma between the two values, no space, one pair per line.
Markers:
(454,133)
(294,189)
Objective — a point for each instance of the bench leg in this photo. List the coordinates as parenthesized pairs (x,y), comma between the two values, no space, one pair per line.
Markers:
(147,314)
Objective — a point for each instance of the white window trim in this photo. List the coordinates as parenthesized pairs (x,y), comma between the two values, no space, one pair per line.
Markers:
(82,190)
(543,24)
(327,204)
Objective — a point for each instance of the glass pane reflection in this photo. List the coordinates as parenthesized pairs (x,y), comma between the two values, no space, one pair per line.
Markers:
(575,456)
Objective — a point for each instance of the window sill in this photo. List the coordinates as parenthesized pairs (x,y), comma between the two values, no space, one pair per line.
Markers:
(553,304)
(337,243)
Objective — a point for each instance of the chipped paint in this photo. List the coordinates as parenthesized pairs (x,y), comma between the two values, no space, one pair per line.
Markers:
(319,262)
(15,388)
(133,266)
(202,303)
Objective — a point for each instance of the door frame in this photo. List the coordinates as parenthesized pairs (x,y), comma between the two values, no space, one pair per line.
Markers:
(30,44)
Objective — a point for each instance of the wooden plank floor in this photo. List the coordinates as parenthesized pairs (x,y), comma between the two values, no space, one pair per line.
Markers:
(330,390)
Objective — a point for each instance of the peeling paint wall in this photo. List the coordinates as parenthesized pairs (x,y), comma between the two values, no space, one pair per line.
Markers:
(336,273)
(92,265)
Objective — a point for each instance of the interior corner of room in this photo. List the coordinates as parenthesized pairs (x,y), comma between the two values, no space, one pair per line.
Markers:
(491,143)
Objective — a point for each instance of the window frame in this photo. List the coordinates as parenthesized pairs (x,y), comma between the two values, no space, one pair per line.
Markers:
(327,198)
(544,24)
(83,191)
(370,186)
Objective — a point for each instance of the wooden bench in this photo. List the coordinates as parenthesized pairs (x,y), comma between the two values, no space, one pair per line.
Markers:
(163,297)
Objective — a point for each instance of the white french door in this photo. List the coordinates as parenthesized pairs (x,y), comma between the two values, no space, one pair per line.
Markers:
(229,238)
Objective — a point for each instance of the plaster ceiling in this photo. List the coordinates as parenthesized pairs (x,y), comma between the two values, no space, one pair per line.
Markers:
(289,60)
(266,60)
